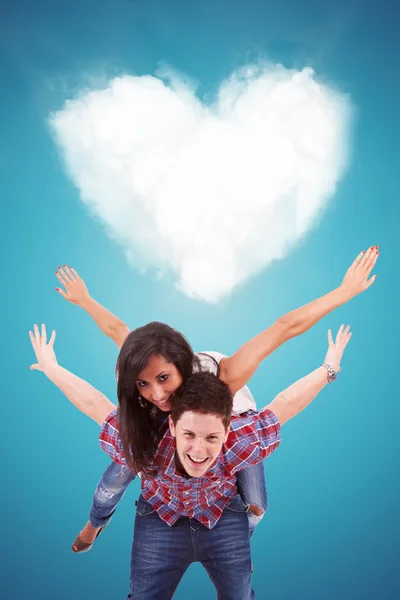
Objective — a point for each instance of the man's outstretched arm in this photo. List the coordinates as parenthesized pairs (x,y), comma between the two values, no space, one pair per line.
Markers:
(290,402)
(82,395)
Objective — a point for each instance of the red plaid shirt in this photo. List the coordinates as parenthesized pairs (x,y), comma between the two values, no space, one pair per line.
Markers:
(253,436)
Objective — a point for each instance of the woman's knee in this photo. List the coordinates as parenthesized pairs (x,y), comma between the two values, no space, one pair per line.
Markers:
(257,511)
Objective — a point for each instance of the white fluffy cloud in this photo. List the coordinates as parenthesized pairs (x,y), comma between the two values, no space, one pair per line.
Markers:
(210,193)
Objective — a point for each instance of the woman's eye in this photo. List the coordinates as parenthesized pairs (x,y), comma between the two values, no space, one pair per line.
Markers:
(163,378)
(141,384)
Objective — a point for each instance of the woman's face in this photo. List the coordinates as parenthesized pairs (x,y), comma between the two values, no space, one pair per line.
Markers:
(158,382)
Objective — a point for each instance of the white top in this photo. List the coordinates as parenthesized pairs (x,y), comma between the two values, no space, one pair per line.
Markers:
(243,399)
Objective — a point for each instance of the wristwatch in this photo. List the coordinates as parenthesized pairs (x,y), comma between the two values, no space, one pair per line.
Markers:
(331,372)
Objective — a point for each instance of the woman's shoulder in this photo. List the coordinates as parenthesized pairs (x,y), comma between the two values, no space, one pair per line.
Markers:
(208,360)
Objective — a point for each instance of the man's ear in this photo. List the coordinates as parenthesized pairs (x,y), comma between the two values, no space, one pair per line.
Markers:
(171,426)
(227,433)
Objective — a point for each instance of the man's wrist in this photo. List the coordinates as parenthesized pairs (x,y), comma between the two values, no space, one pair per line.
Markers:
(331,371)
(51,370)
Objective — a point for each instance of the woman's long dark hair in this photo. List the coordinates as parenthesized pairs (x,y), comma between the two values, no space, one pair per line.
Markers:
(137,425)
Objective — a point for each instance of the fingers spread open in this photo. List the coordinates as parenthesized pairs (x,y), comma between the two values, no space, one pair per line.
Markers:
(53,337)
(339,333)
(371,281)
(69,273)
(61,278)
(347,335)
(75,273)
(61,292)
(346,339)
(33,339)
(36,332)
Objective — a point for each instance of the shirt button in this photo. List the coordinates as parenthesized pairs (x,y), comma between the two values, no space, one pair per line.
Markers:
(186,493)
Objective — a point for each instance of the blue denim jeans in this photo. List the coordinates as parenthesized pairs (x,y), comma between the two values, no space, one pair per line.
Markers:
(252,488)
(109,491)
(161,554)
(112,486)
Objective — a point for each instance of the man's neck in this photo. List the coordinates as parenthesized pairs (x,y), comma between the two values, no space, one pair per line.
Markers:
(179,467)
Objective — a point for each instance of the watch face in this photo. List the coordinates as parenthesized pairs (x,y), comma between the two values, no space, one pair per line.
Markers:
(332,375)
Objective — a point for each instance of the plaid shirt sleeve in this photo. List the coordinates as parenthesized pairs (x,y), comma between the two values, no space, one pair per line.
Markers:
(109,439)
(252,438)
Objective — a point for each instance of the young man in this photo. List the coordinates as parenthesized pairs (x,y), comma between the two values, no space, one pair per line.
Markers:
(189,509)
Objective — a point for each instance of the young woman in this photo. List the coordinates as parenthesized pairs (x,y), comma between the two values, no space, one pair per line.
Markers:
(155,360)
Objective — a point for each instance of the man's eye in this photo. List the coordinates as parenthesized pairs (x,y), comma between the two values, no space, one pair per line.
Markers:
(189,434)
(212,438)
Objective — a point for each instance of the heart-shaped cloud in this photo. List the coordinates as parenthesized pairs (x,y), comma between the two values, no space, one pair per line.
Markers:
(215,192)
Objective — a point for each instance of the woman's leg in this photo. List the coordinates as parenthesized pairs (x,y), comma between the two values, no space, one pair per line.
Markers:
(253,490)
(109,491)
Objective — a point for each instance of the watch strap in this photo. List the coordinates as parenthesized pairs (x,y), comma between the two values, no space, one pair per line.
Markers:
(331,372)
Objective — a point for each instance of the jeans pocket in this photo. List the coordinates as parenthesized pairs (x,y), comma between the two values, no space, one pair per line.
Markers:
(235,504)
(143,508)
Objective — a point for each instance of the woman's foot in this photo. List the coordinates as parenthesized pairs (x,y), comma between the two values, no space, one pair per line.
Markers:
(86,538)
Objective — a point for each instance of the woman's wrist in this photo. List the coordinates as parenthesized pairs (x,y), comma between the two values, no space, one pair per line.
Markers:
(86,302)
(345,293)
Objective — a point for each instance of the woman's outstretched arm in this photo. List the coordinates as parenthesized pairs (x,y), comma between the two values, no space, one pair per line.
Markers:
(76,292)
(236,370)
(84,396)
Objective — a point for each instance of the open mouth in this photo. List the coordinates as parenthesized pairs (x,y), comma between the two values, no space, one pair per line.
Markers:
(197,462)
(161,402)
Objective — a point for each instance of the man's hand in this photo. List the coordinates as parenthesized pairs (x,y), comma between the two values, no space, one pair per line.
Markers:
(336,348)
(76,291)
(82,395)
(356,279)
(45,354)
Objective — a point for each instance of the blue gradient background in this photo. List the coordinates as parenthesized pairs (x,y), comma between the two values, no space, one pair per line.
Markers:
(332,527)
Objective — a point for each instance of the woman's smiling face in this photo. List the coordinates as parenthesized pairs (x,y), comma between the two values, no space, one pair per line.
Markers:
(158,382)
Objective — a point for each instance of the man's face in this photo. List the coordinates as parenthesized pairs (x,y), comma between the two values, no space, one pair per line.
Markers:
(199,439)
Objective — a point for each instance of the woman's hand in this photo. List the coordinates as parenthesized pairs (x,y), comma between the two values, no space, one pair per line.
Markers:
(44,352)
(76,291)
(336,348)
(356,279)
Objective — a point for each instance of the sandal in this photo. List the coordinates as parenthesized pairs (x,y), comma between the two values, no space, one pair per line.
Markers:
(80,546)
